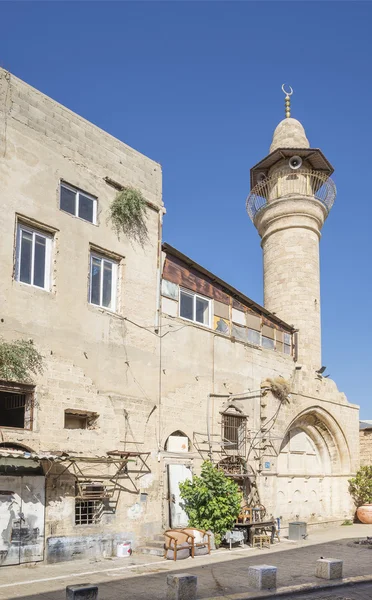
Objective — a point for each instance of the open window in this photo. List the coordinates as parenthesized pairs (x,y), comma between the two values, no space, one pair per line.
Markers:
(16,405)
(79,419)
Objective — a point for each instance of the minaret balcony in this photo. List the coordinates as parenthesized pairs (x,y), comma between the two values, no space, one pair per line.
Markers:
(287,183)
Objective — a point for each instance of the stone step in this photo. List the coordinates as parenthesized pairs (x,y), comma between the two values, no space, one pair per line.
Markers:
(153,550)
(155,543)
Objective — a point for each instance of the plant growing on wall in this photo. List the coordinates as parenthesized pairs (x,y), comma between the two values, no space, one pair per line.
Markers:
(19,360)
(279,387)
(211,501)
(360,486)
(128,213)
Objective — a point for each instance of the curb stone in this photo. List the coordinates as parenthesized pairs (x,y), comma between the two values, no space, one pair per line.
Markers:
(291,590)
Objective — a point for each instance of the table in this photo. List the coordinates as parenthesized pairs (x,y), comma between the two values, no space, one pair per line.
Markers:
(252,527)
(234,537)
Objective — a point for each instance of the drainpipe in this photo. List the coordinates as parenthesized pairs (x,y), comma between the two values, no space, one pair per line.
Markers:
(161,211)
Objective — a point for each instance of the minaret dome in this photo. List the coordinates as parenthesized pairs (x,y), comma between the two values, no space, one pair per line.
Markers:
(289,134)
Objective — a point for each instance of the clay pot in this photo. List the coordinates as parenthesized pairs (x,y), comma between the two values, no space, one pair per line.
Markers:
(364,514)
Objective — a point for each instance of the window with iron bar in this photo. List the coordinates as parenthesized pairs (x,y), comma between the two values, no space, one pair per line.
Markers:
(16,406)
(88,512)
(234,433)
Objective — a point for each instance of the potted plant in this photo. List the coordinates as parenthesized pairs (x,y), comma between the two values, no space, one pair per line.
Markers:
(361,490)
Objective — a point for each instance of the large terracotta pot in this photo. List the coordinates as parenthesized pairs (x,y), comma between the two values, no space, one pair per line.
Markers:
(364,513)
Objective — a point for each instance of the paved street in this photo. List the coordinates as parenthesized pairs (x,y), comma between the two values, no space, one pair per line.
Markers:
(222,574)
(359,592)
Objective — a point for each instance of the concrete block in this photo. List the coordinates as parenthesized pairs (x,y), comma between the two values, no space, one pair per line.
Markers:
(83,591)
(181,586)
(329,568)
(262,577)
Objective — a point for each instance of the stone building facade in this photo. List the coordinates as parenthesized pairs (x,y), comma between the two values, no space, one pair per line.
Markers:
(365,440)
(151,363)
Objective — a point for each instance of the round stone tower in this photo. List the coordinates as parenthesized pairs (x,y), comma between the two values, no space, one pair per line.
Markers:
(291,195)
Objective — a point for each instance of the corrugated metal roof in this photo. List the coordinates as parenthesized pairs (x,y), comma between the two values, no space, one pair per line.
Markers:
(9,453)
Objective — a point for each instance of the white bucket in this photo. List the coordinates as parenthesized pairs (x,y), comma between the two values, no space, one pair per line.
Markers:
(123,549)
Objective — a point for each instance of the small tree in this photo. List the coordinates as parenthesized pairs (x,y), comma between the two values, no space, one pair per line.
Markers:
(19,360)
(360,486)
(211,501)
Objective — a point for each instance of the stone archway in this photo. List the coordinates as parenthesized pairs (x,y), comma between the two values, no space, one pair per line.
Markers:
(313,466)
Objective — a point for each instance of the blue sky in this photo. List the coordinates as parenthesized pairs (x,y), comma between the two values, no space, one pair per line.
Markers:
(196,86)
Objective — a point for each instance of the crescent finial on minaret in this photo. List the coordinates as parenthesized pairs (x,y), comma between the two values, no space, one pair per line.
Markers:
(287,100)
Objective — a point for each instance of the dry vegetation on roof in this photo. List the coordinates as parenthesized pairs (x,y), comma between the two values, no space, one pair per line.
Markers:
(279,387)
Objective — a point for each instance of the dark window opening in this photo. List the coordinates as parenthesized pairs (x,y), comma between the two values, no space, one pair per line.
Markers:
(15,409)
(89,503)
(234,433)
(88,512)
(75,421)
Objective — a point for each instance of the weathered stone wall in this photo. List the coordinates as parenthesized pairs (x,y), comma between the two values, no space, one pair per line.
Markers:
(204,371)
(143,385)
(365,438)
(93,359)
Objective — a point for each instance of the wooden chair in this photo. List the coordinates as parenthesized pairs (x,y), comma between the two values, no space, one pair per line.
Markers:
(178,541)
(251,514)
(245,515)
(262,539)
(200,540)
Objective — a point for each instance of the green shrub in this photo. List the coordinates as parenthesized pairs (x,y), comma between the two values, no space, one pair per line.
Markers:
(128,213)
(19,360)
(360,486)
(211,501)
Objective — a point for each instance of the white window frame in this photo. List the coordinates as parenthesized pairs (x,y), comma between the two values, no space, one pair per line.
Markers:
(114,282)
(77,193)
(195,295)
(48,256)
(287,345)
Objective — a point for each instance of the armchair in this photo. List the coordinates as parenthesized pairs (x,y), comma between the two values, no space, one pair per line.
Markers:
(178,544)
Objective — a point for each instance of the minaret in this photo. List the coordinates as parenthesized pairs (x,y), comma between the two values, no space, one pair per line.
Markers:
(291,196)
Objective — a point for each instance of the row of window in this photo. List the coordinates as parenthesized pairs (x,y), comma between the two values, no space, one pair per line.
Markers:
(33,267)
(34,260)
(198,309)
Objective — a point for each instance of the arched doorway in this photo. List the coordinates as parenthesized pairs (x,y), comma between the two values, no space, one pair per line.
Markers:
(179,467)
(22,505)
(313,459)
